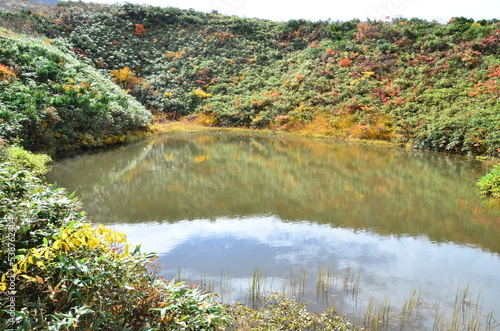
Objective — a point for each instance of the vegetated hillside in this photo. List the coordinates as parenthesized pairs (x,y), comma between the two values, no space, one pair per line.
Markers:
(431,85)
(52,100)
(38,6)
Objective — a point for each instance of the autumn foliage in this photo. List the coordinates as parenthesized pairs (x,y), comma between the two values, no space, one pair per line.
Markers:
(6,74)
(140,30)
(126,79)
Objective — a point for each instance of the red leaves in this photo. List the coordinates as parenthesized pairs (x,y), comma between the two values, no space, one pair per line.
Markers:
(80,52)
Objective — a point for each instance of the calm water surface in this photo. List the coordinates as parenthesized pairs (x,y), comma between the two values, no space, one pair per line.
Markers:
(220,208)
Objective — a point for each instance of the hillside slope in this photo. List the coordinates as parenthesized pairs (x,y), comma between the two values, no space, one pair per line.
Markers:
(51,100)
(421,83)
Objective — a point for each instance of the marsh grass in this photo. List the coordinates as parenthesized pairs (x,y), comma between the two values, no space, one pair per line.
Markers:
(326,276)
(377,316)
(334,286)
(417,314)
(257,288)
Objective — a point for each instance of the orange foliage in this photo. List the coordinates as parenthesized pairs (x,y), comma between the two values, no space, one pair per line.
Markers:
(140,30)
(330,51)
(490,87)
(175,55)
(222,36)
(494,71)
(6,74)
(366,31)
(101,64)
(345,62)
(314,44)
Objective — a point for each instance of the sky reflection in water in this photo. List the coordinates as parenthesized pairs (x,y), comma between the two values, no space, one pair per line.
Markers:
(224,204)
(387,264)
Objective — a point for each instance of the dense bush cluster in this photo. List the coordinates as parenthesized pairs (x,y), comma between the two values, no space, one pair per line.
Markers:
(49,99)
(422,83)
(489,185)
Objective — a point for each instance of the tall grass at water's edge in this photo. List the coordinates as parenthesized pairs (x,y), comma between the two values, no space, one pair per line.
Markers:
(414,314)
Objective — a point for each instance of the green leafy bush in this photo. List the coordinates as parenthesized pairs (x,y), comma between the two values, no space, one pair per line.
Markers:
(427,84)
(38,164)
(282,313)
(58,102)
(489,185)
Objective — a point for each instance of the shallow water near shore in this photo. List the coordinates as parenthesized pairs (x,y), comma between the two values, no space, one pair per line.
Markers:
(243,212)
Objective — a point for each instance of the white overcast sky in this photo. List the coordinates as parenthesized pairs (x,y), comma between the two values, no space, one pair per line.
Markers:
(283,10)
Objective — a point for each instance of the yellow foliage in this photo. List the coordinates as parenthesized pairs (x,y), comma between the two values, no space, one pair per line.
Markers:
(201,158)
(320,125)
(84,237)
(125,78)
(6,74)
(202,94)
(122,75)
(204,119)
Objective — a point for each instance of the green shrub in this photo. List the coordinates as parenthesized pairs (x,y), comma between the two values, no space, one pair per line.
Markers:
(56,99)
(282,313)
(428,84)
(489,185)
(38,164)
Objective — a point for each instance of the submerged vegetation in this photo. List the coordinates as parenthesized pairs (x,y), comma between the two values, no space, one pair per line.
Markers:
(86,75)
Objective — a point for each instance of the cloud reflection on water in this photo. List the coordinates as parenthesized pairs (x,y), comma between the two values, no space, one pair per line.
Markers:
(387,264)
